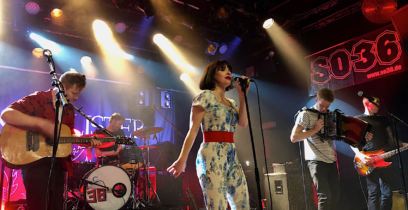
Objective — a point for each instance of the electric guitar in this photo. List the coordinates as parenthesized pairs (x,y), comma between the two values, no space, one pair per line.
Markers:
(378,160)
(19,147)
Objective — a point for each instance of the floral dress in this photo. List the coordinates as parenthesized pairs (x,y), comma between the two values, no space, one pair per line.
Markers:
(219,172)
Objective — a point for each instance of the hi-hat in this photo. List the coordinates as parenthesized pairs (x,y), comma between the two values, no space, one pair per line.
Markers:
(144,132)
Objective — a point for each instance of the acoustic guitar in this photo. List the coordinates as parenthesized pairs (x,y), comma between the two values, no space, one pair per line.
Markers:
(378,160)
(20,147)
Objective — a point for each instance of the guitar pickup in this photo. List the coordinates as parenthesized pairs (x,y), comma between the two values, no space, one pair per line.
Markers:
(32,141)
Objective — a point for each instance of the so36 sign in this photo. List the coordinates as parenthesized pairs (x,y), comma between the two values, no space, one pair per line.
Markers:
(359,60)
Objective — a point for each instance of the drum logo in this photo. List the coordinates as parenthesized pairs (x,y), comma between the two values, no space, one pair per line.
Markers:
(95,195)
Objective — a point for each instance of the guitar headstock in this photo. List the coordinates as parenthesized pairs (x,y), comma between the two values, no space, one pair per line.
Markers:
(124,140)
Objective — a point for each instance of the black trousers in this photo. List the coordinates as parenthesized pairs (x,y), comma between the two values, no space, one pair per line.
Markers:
(379,189)
(35,178)
(326,180)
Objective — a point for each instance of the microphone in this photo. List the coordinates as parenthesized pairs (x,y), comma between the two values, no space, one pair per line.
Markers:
(47,53)
(243,80)
(361,94)
(374,100)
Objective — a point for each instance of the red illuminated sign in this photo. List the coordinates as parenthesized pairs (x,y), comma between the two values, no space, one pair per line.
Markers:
(356,61)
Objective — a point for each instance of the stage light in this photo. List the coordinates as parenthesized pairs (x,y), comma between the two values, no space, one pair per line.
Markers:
(268,23)
(56,13)
(88,67)
(212,48)
(173,53)
(107,42)
(37,52)
(32,7)
(86,60)
(46,43)
(120,27)
(184,77)
(223,49)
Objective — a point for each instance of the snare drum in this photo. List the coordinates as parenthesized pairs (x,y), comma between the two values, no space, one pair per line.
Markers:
(107,187)
(130,158)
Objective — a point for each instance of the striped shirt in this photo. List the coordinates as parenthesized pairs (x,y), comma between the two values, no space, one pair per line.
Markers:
(315,147)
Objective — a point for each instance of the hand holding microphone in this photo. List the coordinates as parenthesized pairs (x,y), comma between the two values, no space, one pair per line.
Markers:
(243,82)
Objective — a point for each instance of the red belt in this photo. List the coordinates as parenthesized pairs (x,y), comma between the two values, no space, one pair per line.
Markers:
(218,136)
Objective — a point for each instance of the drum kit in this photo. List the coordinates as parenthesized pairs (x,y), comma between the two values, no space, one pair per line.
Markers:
(126,185)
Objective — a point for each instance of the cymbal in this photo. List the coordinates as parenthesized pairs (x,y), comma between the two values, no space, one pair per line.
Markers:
(144,147)
(144,132)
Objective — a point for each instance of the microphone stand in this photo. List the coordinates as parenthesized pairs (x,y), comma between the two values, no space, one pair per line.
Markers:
(394,120)
(60,103)
(244,86)
(79,110)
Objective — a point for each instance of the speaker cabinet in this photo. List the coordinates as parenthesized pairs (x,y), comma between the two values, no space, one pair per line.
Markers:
(288,192)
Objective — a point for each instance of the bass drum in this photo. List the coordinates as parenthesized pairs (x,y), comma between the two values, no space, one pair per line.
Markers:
(107,188)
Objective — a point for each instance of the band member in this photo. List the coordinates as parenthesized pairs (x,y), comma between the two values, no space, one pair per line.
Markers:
(319,152)
(36,112)
(379,138)
(218,169)
(108,152)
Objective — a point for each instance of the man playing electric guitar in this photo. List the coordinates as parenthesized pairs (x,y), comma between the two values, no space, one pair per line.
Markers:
(369,161)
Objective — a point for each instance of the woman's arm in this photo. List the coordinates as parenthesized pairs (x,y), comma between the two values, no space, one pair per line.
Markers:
(196,116)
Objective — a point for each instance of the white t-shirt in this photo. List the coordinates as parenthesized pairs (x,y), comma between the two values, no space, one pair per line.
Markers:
(315,147)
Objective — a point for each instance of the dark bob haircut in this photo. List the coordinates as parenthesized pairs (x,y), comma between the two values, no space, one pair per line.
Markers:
(207,81)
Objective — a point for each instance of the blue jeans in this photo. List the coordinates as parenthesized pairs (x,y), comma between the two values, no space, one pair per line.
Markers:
(326,180)
(379,190)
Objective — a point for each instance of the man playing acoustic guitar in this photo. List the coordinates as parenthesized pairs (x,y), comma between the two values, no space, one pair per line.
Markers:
(370,161)
(36,112)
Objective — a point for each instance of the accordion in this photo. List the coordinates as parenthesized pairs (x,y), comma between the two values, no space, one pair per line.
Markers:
(338,126)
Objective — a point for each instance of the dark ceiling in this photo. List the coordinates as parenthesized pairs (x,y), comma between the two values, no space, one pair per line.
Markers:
(316,24)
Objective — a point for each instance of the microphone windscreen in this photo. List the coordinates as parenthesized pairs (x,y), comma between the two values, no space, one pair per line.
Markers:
(360,93)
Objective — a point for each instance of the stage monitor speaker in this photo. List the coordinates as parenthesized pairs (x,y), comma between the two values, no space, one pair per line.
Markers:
(287,189)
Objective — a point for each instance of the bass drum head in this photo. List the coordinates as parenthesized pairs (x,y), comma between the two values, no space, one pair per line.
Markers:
(107,188)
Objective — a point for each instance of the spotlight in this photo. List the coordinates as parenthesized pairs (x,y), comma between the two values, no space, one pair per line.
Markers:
(223,49)
(37,52)
(212,48)
(56,13)
(45,43)
(184,77)
(120,27)
(32,8)
(268,23)
(86,60)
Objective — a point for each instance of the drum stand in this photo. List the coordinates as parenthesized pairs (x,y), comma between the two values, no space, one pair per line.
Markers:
(147,174)
(136,203)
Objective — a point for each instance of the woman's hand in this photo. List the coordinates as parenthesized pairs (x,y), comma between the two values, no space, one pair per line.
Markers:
(238,86)
(177,168)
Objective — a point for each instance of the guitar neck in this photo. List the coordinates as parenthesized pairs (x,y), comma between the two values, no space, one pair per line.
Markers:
(392,152)
(84,140)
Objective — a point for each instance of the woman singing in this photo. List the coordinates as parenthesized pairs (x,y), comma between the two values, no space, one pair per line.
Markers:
(219,171)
